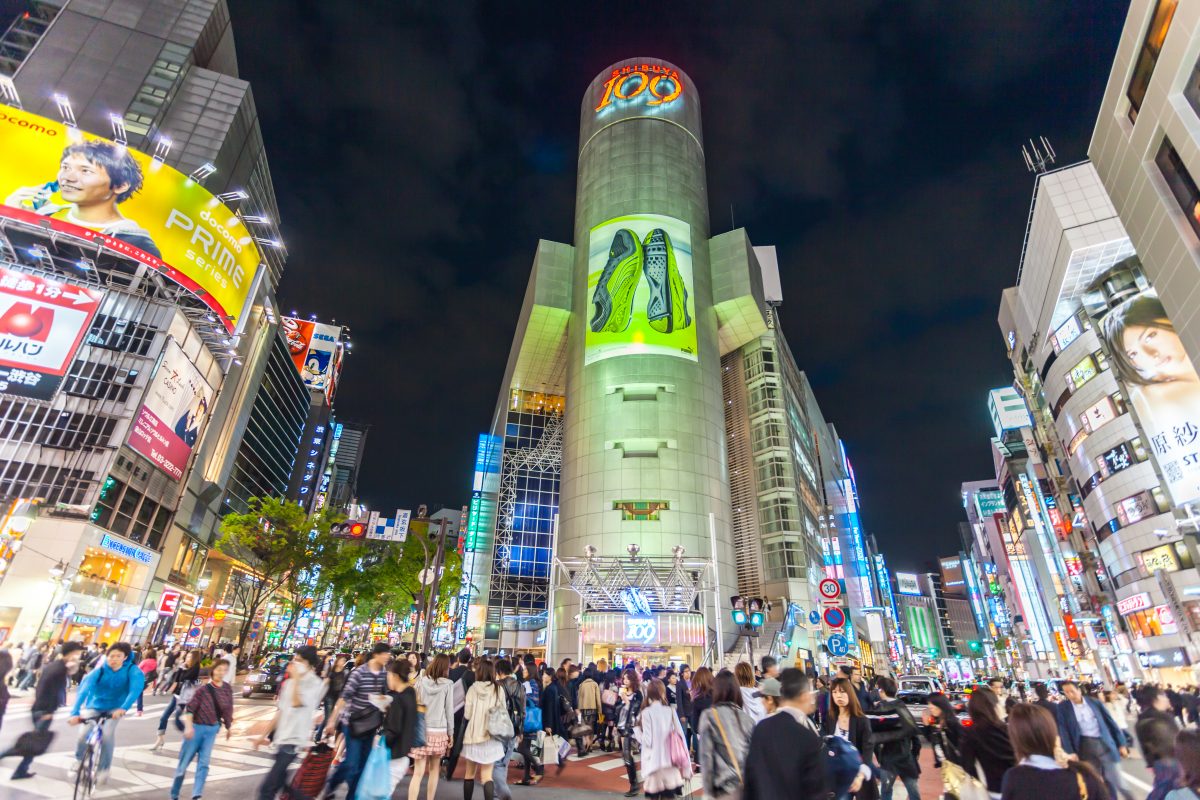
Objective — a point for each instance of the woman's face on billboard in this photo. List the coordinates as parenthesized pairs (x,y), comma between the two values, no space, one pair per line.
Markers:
(1157,353)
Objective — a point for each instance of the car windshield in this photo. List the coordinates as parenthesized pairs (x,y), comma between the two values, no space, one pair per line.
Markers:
(914,697)
(274,660)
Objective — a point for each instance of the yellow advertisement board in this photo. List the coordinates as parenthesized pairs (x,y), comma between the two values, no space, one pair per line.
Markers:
(88,186)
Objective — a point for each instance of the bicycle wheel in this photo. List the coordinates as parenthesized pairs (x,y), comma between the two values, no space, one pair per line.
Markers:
(85,778)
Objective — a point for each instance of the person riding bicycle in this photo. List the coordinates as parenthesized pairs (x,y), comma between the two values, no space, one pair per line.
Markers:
(110,689)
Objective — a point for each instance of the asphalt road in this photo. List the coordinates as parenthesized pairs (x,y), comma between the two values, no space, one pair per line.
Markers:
(237,768)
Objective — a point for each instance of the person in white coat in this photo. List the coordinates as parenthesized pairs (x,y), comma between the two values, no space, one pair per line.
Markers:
(658,721)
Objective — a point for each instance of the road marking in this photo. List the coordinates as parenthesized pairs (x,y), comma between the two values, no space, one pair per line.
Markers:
(1139,783)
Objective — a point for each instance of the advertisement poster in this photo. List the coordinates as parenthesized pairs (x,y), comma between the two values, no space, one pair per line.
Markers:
(42,323)
(101,191)
(322,357)
(298,334)
(171,419)
(1162,383)
(640,287)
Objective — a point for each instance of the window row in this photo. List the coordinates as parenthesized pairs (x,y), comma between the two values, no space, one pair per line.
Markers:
(127,512)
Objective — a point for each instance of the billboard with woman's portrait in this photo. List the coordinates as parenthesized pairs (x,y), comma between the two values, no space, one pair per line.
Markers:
(1161,382)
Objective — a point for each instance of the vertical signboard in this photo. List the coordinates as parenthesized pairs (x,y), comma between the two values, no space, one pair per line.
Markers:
(298,333)
(321,359)
(173,413)
(42,323)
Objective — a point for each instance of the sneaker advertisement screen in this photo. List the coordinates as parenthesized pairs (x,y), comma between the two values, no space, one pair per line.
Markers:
(1149,358)
(171,419)
(640,289)
(90,187)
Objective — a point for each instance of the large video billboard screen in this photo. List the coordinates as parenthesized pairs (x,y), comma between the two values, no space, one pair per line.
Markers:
(177,404)
(640,287)
(93,188)
(1161,380)
(42,323)
(322,356)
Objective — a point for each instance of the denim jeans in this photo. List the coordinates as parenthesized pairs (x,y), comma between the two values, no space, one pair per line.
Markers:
(200,746)
(500,771)
(106,747)
(350,769)
(276,778)
(41,722)
(888,779)
(166,715)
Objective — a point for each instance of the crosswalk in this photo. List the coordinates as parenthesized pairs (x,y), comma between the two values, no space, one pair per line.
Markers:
(138,768)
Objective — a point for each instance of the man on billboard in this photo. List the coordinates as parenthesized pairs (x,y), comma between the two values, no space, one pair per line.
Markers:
(187,427)
(94,177)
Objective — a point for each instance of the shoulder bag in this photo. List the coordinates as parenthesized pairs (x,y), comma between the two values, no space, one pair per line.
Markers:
(499,723)
(733,759)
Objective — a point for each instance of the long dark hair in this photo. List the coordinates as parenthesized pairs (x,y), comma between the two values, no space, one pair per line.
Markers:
(982,707)
(702,682)
(949,717)
(1143,311)
(725,689)
(635,683)
(1187,753)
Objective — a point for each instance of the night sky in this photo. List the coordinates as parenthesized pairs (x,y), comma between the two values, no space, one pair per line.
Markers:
(419,150)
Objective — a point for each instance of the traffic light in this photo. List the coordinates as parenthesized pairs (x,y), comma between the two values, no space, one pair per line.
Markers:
(757,617)
(350,529)
(975,646)
(739,610)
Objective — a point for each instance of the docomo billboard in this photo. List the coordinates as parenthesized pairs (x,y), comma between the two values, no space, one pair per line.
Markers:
(104,192)
(1135,602)
(42,323)
(177,404)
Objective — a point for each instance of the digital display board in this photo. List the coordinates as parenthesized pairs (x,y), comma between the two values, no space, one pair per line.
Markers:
(172,416)
(907,583)
(640,286)
(105,192)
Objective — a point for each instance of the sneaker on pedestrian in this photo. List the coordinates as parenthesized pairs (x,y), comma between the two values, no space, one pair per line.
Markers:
(101,777)
(73,770)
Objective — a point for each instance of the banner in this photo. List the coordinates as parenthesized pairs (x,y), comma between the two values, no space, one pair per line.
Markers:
(319,363)
(171,419)
(1161,381)
(298,334)
(101,191)
(42,323)
(640,286)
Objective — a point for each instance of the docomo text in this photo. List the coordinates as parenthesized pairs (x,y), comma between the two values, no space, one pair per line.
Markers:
(657,85)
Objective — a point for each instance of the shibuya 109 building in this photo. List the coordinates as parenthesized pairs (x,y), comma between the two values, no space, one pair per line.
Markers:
(601,521)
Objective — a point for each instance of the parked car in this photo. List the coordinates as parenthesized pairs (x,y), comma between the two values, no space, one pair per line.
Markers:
(266,677)
(919,683)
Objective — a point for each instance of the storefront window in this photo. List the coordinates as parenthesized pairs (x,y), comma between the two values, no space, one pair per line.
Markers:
(1156,621)
(1180,182)
(1147,58)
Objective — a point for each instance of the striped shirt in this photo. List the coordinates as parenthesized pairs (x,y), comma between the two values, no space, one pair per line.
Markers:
(361,686)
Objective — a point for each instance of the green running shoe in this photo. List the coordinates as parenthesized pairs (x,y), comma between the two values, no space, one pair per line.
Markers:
(667,308)
(613,297)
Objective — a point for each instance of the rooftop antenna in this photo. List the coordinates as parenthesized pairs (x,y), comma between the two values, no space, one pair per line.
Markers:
(1038,159)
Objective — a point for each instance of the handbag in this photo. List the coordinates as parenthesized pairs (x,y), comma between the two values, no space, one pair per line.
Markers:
(681,759)
(956,781)
(580,729)
(732,758)
(533,718)
(499,723)
(375,782)
(365,721)
(608,697)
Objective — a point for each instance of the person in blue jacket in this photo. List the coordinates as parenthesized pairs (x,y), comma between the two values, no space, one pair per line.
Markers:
(111,688)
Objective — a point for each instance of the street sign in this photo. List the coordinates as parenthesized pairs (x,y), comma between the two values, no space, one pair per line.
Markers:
(253,634)
(194,632)
(197,621)
(814,617)
(838,645)
(829,589)
(218,615)
(835,617)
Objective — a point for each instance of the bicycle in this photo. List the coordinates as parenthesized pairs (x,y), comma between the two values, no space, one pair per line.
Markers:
(85,778)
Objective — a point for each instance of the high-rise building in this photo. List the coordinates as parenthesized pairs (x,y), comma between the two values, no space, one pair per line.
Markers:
(127,436)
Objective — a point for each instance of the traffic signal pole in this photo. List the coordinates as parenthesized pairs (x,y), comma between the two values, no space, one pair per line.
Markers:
(431,606)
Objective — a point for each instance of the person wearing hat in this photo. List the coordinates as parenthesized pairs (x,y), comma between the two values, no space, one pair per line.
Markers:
(291,728)
(768,693)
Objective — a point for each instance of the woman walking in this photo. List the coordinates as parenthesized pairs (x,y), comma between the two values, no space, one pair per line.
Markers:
(182,688)
(556,705)
(629,706)
(209,707)
(986,742)
(656,725)
(149,668)
(587,701)
(479,748)
(336,682)
(723,738)
(400,721)
(944,731)
(1033,734)
(435,691)
(847,721)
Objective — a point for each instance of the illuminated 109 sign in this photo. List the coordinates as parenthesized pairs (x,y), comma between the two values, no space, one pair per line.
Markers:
(649,83)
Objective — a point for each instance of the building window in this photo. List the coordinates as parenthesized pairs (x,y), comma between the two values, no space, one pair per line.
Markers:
(1180,182)
(1143,67)
(784,560)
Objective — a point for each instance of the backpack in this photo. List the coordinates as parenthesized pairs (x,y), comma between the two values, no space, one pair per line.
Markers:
(533,718)
(842,761)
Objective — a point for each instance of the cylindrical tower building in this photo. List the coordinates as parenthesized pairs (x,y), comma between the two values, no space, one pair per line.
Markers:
(643,460)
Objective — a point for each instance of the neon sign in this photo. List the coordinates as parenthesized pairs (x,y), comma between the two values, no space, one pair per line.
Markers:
(642,630)
(655,85)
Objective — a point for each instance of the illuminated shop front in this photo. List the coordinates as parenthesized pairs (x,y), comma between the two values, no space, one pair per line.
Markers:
(649,639)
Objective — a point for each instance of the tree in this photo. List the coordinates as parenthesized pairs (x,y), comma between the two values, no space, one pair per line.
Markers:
(274,536)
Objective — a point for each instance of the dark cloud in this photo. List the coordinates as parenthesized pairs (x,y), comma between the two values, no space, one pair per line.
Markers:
(419,150)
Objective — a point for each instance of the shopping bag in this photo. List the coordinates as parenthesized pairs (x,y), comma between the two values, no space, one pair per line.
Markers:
(549,749)
(533,718)
(375,783)
(309,780)
(680,758)
(564,747)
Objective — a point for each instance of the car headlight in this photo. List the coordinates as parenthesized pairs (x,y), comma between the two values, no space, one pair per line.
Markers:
(254,678)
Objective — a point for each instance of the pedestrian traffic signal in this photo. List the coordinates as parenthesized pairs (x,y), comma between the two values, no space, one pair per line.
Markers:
(350,529)
(756,605)
(975,646)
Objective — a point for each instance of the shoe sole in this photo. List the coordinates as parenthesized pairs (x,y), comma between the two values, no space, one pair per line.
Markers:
(668,295)
(618,282)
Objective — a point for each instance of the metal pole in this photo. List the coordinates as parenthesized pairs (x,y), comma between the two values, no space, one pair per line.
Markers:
(712,534)
(421,605)
(433,589)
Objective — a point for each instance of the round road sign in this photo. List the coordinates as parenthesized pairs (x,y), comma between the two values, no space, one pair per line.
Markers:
(814,617)
(838,645)
(218,615)
(830,589)
(197,621)
(835,617)
(194,632)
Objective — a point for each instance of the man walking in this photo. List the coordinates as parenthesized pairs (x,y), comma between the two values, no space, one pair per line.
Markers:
(786,757)
(894,747)
(51,693)
(355,708)
(1087,730)
(298,699)
(462,676)
(514,698)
